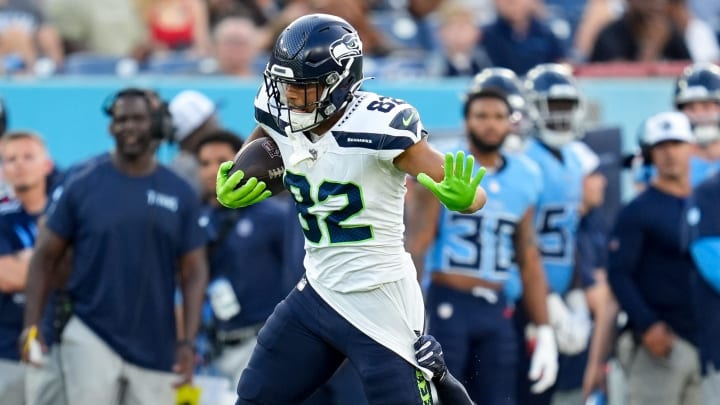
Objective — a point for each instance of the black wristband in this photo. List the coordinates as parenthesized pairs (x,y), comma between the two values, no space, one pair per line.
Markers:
(185,342)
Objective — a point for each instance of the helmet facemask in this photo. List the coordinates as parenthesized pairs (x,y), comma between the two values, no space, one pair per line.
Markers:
(704,116)
(559,120)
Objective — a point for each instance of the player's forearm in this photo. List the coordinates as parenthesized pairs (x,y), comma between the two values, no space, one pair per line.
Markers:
(38,286)
(194,282)
(14,271)
(535,289)
(605,309)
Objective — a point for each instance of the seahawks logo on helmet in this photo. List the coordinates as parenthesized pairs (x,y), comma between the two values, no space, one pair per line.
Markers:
(349,46)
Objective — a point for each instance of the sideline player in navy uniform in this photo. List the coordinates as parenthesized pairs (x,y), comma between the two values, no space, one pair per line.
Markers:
(134,230)
(473,255)
(346,154)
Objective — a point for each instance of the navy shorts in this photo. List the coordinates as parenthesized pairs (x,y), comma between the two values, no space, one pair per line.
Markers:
(302,344)
(478,341)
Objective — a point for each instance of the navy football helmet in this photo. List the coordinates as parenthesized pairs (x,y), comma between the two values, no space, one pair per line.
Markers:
(502,79)
(506,81)
(321,54)
(700,83)
(555,104)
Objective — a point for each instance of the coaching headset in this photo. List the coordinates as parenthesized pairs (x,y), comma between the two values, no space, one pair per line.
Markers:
(161,126)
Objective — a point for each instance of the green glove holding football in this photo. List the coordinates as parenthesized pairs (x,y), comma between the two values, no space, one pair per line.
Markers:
(252,192)
(458,189)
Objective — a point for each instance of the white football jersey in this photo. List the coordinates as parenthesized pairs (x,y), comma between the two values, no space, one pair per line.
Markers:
(349,195)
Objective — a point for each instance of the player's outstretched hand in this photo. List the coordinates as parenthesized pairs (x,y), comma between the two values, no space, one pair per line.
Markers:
(428,353)
(252,192)
(458,189)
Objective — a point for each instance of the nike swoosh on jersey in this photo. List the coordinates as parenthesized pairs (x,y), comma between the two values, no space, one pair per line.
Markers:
(409,119)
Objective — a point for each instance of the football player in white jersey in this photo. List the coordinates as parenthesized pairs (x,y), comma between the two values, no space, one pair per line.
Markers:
(346,153)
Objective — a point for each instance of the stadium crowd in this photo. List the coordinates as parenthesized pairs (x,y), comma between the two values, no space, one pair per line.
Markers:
(124,280)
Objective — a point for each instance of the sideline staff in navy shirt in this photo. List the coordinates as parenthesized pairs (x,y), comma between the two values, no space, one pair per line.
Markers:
(649,270)
(134,229)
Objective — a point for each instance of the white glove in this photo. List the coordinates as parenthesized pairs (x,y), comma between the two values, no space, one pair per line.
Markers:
(570,322)
(544,362)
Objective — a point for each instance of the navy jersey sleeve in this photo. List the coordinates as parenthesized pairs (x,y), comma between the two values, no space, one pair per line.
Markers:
(194,235)
(625,249)
(705,248)
(61,218)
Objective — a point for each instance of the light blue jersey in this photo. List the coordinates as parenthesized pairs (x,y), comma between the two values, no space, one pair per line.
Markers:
(701,169)
(481,244)
(556,214)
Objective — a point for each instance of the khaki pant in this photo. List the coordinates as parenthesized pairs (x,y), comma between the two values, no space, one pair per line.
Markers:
(44,385)
(674,380)
(12,382)
(234,359)
(95,374)
(711,386)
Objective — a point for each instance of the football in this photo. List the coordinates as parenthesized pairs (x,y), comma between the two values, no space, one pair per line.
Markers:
(261,158)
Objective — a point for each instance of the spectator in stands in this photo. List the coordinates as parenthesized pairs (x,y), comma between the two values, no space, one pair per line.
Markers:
(596,15)
(25,165)
(518,40)
(194,116)
(700,39)
(461,52)
(108,27)
(259,12)
(237,45)
(26,37)
(177,25)
(644,33)
(375,43)
(649,272)
(135,231)
(246,257)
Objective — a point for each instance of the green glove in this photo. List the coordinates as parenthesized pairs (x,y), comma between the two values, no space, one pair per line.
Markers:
(457,190)
(252,192)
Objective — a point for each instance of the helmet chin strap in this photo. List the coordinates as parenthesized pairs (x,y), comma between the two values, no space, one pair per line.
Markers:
(301,121)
